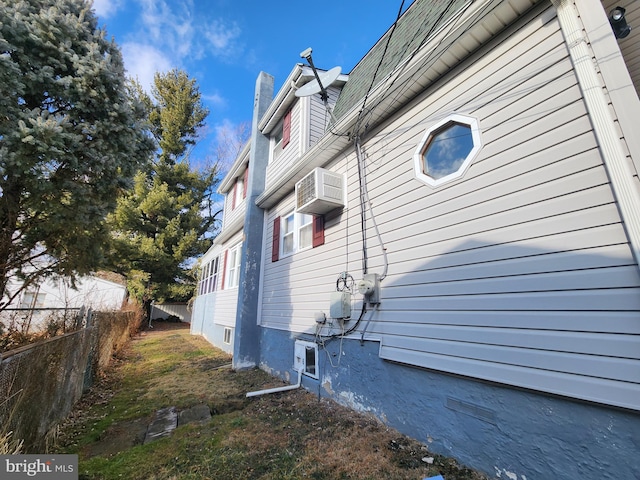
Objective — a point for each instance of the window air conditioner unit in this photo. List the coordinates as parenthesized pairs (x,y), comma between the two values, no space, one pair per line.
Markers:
(319,192)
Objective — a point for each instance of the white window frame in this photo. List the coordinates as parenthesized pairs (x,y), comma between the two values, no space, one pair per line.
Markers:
(214,269)
(233,266)
(306,358)
(301,221)
(276,144)
(239,190)
(418,156)
(33,298)
(209,277)
(226,337)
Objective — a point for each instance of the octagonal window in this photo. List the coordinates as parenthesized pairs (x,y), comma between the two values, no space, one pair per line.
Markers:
(447,149)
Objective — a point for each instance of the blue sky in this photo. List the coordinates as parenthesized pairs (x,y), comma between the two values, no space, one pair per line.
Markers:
(224,44)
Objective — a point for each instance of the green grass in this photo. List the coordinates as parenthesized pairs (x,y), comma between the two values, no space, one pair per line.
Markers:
(284,436)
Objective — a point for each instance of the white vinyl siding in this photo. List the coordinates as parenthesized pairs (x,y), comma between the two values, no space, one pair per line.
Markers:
(520,272)
(297,286)
(319,117)
(217,308)
(287,156)
(232,215)
(309,120)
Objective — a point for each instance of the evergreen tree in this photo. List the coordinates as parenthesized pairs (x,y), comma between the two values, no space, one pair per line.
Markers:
(164,221)
(71,138)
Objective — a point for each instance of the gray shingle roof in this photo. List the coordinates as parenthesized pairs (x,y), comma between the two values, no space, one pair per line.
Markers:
(418,23)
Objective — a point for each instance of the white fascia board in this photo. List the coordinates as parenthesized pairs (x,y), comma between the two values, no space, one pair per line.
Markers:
(230,230)
(283,99)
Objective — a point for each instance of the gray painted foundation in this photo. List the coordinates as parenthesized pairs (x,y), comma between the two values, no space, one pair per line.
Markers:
(504,432)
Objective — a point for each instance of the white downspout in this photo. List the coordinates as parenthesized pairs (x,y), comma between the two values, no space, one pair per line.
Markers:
(278,389)
(613,155)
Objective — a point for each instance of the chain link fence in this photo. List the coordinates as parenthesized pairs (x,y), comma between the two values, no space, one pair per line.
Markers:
(40,383)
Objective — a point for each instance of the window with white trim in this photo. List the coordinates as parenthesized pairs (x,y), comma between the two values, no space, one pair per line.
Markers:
(447,149)
(276,142)
(296,233)
(281,136)
(32,299)
(227,336)
(209,277)
(233,266)
(239,191)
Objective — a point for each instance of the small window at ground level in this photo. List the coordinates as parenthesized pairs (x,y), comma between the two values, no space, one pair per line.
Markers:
(447,149)
(227,336)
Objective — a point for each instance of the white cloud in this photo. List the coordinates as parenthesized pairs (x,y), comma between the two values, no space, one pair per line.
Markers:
(106,8)
(175,27)
(215,100)
(171,28)
(143,61)
(223,38)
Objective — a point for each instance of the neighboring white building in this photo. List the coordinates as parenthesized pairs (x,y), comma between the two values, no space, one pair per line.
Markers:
(57,293)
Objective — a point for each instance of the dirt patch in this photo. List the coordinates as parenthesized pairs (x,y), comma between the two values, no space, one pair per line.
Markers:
(118,438)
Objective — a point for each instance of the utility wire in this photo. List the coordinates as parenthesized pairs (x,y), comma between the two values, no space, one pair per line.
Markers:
(430,57)
(375,74)
(363,215)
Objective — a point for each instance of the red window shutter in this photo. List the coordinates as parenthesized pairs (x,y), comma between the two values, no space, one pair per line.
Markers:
(286,129)
(318,231)
(233,199)
(224,269)
(246,182)
(275,241)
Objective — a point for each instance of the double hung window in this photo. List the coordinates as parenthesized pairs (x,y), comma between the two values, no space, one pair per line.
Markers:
(233,266)
(209,277)
(296,231)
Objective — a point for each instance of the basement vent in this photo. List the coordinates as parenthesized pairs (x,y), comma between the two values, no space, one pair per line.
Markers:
(471,409)
(319,192)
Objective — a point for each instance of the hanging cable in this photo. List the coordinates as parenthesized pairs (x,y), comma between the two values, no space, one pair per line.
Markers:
(345,283)
(375,73)
(400,93)
(437,24)
(363,216)
(366,201)
(325,339)
(366,325)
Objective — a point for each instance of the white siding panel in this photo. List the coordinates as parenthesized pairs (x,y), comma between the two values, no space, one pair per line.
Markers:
(230,215)
(621,369)
(319,116)
(614,300)
(417,337)
(226,305)
(622,394)
(610,322)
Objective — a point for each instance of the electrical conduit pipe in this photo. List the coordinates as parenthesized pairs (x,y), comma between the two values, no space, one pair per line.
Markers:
(278,389)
